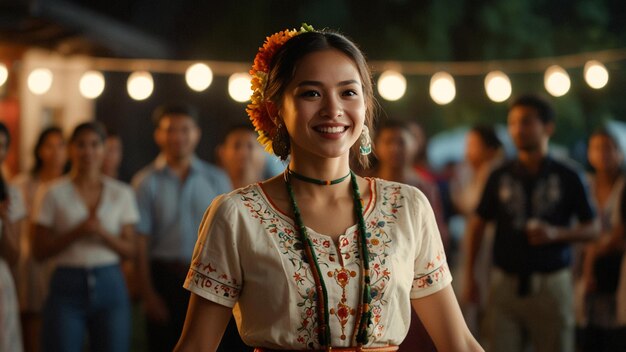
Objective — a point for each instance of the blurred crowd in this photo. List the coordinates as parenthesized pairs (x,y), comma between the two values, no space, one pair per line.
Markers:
(89,263)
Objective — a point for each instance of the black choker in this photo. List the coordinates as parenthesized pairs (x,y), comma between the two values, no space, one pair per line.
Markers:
(315,180)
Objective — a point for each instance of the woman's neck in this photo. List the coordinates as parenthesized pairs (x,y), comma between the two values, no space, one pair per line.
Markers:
(606,177)
(321,169)
(49,173)
(86,177)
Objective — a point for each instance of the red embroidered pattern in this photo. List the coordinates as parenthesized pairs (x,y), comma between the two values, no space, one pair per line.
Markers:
(207,278)
(434,272)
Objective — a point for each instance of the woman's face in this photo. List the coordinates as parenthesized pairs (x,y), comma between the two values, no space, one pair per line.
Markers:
(53,151)
(475,149)
(603,154)
(394,147)
(323,106)
(87,151)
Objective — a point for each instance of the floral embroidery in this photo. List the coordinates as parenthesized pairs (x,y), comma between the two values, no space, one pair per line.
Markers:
(273,239)
(343,311)
(379,243)
(207,278)
(434,272)
(343,276)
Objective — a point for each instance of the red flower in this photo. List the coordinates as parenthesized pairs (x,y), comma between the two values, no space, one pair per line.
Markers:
(343,312)
(342,278)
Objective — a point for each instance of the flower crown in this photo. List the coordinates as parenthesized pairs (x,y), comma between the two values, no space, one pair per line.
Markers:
(260,110)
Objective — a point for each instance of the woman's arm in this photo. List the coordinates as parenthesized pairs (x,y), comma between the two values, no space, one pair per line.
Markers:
(46,244)
(204,325)
(442,318)
(124,244)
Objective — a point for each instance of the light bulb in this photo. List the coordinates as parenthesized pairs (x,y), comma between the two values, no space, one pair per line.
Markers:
(391,85)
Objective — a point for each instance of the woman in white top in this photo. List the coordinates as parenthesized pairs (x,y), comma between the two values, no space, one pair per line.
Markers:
(85,222)
(11,211)
(31,277)
(318,258)
(597,275)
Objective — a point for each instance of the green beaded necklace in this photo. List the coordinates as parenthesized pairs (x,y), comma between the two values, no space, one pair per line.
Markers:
(364,318)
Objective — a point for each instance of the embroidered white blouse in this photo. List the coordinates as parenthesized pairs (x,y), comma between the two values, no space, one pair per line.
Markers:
(248,253)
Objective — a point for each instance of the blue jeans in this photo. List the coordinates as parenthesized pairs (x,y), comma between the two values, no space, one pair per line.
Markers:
(82,300)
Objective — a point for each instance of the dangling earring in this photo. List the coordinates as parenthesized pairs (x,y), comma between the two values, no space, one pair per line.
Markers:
(280,141)
(366,141)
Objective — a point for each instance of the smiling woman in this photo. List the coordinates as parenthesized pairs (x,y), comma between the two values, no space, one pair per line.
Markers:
(318,258)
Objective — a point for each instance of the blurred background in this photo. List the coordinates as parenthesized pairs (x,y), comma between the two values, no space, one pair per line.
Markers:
(417,39)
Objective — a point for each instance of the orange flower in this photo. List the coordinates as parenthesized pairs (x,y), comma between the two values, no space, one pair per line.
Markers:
(260,110)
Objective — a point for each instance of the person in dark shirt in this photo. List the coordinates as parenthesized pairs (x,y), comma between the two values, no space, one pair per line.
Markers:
(532,200)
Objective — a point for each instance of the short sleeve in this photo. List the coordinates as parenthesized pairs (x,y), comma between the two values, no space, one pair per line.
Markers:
(431,272)
(44,207)
(143,194)
(215,272)
(130,213)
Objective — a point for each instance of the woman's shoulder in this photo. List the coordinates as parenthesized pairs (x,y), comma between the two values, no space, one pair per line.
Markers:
(385,188)
(237,199)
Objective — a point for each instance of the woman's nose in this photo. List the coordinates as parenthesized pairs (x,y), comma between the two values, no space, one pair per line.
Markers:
(332,108)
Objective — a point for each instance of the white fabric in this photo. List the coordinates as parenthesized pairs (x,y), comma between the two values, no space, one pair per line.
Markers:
(10,331)
(62,209)
(606,215)
(248,252)
(31,276)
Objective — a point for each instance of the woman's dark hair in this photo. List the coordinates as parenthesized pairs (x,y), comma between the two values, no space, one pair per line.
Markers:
(91,126)
(283,67)
(43,136)
(488,136)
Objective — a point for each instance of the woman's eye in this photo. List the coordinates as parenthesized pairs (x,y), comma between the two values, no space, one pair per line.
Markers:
(350,92)
(310,94)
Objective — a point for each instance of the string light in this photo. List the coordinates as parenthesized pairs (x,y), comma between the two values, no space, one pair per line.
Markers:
(596,74)
(91,84)
(556,81)
(442,89)
(239,87)
(199,77)
(391,85)
(40,81)
(498,86)
(140,85)
(4,74)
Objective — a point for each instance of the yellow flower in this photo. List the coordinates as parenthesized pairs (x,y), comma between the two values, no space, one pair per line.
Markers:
(260,110)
